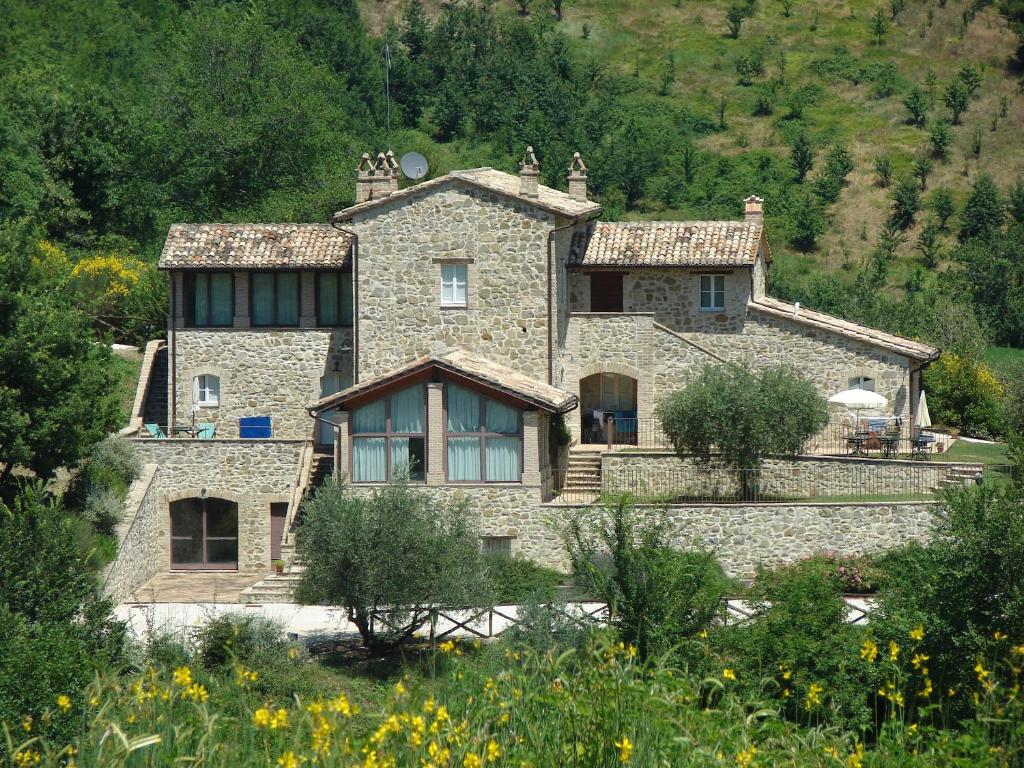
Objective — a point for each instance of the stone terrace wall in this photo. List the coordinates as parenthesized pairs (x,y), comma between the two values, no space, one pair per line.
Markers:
(138,539)
(274,373)
(658,472)
(401,249)
(253,473)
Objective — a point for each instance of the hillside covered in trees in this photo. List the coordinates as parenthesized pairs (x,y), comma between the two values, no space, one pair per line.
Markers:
(883,134)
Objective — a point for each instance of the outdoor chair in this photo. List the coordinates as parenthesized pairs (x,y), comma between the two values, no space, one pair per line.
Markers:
(206,430)
(155,431)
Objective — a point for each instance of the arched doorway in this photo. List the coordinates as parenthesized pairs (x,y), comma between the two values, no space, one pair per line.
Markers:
(204,534)
(606,395)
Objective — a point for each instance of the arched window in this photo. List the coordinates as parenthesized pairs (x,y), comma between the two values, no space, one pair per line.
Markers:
(206,390)
(862,382)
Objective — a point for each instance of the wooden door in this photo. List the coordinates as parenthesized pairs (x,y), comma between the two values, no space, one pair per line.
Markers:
(278,513)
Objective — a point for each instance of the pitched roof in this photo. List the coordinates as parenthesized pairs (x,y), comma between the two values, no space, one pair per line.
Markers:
(668,244)
(898,344)
(255,246)
(470,366)
(507,184)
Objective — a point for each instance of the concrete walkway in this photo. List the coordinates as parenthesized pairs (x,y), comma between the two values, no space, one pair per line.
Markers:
(195,587)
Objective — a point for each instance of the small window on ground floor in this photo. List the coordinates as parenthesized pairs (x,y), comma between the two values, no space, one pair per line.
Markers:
(497,546)
(862,382)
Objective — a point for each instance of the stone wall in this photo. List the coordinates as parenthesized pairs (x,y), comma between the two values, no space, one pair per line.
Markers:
(401,249)
(138,539)
(274,373)
(659,472)
(252,473)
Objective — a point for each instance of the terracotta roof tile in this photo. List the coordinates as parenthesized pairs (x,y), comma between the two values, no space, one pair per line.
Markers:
(255,246)
(667,244)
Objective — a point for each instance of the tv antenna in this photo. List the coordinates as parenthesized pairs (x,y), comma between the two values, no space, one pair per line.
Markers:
(387,87)
(414,165)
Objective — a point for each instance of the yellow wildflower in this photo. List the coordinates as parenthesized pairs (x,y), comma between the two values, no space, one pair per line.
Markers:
(261,718)
(925,692)
(288,760)
(26,723)
(63,702)
(744,756)
(869,651)
(279,720)
(1017,650)
(196,692)
(728,674)
(787,673)
(340,704)
(26,757)
(244,677)
(625,747)
(919,660)
(183,676)
(832,752)
(856,758)
(894,651)
(399,688)
(982,673)
(917,633)
(493,751)
(472,761)
(293,653)
(999,635)
(813,696)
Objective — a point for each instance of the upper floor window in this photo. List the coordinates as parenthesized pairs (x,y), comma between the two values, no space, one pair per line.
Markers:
(333,298)
(209,299)
(389,438)
(606,291)
(454,284)
(274,298)
(862,382)
(206,390)
(712,292)
(484,439)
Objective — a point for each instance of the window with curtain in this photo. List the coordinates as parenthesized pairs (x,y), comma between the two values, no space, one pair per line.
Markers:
(208,390)
(389,438)
(333,298)
(484,438)
(274,298)
(712,292)
(454,283)
(209,299)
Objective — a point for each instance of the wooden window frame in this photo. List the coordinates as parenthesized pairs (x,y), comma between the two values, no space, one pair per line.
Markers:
(483,434)
(275,274)
(387,434)
(205,564)
(189,289)
(337,275)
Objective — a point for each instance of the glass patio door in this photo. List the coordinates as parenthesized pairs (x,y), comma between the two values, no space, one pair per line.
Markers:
(204,534)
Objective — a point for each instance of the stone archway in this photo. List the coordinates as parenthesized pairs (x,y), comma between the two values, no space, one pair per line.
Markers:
(603,395)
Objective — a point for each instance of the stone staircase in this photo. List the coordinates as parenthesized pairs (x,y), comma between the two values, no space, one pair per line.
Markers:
(583,474)
(962,474)
(275,587)
(323,468)
(154,408)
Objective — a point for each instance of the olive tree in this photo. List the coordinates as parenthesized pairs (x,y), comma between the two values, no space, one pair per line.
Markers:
(388,558)
(740,416)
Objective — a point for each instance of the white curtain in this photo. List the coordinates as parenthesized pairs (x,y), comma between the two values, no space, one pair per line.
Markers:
(263,298)
(221,284)
(407,410)
(503,459)
(500,417)
(463,409)
(463,458)
(201,309)
(369,418)
(288,298)
(400,466)
(369,460)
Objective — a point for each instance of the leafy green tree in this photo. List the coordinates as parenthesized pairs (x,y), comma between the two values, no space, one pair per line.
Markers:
(940,137)
(415,29)
(879,26)
(896,8)
(801,156)
(57,389)
(922,169)
(739,417)
(660,596)
(970,77)
(943,206)
(956,99)
(735,16)
(929,243)
(1015,201)
(906,201)
(787,7)
(806,222)
(388,558)
(918,103)
(991,276)
(983,212)
(883,169)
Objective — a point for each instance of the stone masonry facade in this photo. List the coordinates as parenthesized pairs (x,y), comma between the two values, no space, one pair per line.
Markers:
(139,550)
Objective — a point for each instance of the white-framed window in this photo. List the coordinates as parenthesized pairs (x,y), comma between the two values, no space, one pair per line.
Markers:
(862,382)
(497,546)
(207,387)
(712,293)
(454,282)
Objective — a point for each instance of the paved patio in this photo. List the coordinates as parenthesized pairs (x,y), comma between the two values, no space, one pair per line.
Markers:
(195,587)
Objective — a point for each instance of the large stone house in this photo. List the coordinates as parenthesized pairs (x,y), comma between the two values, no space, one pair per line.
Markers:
(437,331)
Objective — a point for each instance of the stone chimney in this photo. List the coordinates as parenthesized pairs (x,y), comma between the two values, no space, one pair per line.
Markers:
(753,208)
(393,167)
(381,177)
(364,179)
(577,178)
(529,171)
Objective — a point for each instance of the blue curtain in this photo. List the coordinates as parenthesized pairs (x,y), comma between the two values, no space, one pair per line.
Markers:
(327,298)
(288,298)
(463,458)
(503,459)
(262,298)
(400,467)
(369,461)
(500,417)
(407,410)
(369,418)
(221,284)
(463,409)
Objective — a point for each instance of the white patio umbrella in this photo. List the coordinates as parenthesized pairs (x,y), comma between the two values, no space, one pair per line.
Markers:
(858,399)
(923,418)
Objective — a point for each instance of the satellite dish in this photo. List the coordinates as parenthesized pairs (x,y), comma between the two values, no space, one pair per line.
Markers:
(414,165)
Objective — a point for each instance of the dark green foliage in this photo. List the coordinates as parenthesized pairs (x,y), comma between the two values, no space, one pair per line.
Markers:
(99,489)
(885,80)
(806,222)
(879,25)
(742,416)
(801,156)
(918,103)
(956,99)
(963,587)
(883,169)
(906,201)
(516,581)
(55,628)
(943,206)
(929,243)
(991,275)
(838,165)
(1015,201)
(387,558)
(940,137)
(659,595)
(250,640)
(735,16)
(983,212)
(964,394)
(922,169)
(970,77)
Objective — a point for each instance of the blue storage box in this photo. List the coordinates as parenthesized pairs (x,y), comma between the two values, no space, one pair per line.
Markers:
(254,427)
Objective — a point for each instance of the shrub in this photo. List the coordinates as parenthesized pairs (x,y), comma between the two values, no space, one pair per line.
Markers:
(240,638)
(387,558)
(101,484)
(964,393)
(906,201)
(516,581)
(659,596)
(940,137)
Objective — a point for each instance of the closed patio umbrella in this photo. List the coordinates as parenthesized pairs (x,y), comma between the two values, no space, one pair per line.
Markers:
(923,418)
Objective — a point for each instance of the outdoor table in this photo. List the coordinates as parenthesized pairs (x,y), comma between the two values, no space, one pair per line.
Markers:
(890,445)
(184,428)
(856,442)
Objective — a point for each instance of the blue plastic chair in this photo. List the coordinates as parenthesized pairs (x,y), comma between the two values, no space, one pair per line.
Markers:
(206,430)
(254,428)
(155,431)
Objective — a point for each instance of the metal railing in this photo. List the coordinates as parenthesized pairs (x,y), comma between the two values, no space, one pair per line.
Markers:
(639,433)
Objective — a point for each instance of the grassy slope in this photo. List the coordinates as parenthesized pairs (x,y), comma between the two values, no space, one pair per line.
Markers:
(627,35)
